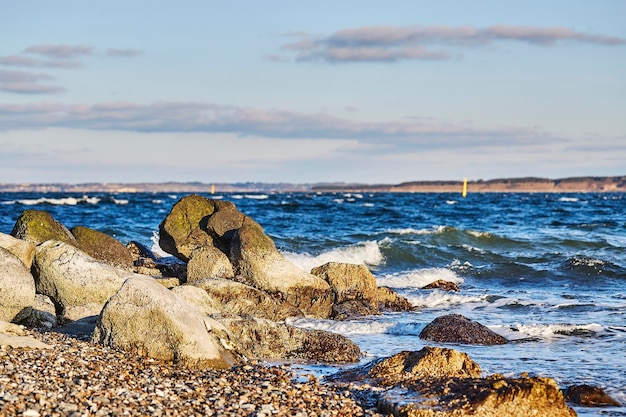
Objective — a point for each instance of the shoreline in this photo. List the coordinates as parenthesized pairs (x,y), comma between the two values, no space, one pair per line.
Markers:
(523,185)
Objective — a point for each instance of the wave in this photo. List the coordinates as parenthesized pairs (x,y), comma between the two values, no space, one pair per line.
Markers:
(418,278)
(346,328)
(411,231)
(548,331)
(64,201)
(367,253)
(156,248)
(442,300)
(249,196)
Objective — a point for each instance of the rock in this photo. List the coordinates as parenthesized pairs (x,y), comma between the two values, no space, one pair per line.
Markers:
(180,233)
(102,247)
(389,300)
(223,224)
(258,263)
(241,300)
(14,336)
(24,250)
(147,319)
(488,397)
(455,328)
(590,396)
(17,288)
(78,284)
(441,284)
(37,226)
(208,262)
(429,362)
(266,339)
(351,284)
(198,298)
(42,314)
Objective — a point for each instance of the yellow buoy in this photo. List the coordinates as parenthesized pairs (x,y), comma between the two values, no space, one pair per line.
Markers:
(464,193)
(212,188)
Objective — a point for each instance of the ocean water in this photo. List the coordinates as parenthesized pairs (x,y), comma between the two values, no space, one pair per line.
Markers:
(547,271)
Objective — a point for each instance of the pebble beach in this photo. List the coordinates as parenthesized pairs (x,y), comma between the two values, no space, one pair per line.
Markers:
(78,378)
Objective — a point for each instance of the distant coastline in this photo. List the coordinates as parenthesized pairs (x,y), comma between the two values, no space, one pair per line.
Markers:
(526,184)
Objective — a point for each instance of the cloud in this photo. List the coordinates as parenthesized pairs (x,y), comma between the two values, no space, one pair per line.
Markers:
(123,53)
(194,117)
(28,62)
(60,51)
(394,43)
(22,82)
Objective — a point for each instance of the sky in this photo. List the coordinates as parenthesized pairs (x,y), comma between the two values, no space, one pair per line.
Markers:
(306,92)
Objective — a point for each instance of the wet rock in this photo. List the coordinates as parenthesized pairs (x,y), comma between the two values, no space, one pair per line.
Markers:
(493,396)
(455,328)
(102,247)
(266,339)
(24,250)
(17,288)
(590,396)
(258,263)
(78,284)
(441,284)
(147,319)
(231,297)
(389,300)
(429,362)
(208,262)
(38,226)
(180,232)
(353,289)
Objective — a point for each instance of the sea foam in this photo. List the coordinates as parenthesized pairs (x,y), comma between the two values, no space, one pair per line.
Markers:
(367,253)
(418,278)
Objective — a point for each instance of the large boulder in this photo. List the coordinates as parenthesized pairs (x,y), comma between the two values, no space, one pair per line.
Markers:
(17,288)
(258,263)
(353,289)
(389,300)
(103,247)
(180,232)
(488,397)
(455,328)
(198,298)
(235,298)
(429,362)
(38,226)
(24,250)
(145,318)
(78,284)
(266,339)
(208,262)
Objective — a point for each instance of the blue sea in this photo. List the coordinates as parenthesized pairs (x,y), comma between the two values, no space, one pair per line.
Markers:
(547,271)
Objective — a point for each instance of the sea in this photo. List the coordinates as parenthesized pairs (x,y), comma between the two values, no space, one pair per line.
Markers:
(545,270)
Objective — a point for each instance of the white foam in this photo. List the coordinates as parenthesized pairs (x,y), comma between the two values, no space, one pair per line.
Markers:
(368,204)
(451,202)
(418,278)
(411,231)
(345,328)
(479,234)
(367,253)
(65,201)
(120,201)
(569,199)
(547,331)
(443,299)
(156,248)
(256,196)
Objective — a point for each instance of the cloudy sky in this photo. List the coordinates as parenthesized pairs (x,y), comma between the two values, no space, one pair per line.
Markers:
(295,91)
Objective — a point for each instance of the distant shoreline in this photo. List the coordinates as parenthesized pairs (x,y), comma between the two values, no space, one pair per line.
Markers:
(526,184)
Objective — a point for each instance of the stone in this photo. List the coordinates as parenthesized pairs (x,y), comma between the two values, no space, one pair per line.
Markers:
(258,263)
(590,396)
(199,298)
(42,314)
(38,226)
(441,284)
(266,339)
(208,262)
(488,397)
(180,233)
(389,300)
(455,328)
(24,250)
(147,263)
(352,285)
(147,319)
(102,247)
(429,362)
(78,284)
(14,336)
(235,298)
(17,288)
(223,224)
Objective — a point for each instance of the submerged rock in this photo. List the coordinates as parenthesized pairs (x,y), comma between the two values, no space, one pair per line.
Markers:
(455,328)
(38,226)
(17,288)
(590,396)
(147,319)
(441,284)
(102,247)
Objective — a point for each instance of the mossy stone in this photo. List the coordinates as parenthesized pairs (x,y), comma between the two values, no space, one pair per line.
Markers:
(38,226)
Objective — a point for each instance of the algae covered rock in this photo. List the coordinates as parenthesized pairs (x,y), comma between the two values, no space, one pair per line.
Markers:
(147,319)
(38,226)
(455,328)
(102,247)
(17,288)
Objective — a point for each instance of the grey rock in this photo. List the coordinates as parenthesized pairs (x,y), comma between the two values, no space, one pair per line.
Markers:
(455,328)
(17,288)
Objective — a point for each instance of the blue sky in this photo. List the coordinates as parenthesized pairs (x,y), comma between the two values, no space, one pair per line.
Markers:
(277,91)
